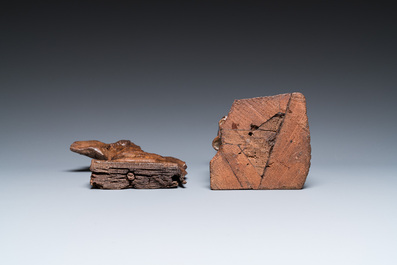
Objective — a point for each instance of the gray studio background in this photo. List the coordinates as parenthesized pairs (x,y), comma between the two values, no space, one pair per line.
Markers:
(161,75)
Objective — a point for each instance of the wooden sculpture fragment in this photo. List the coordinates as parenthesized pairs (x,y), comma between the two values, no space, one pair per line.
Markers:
(123,164)
(263,143)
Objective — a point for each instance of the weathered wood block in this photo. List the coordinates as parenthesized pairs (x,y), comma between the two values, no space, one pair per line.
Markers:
(124,165)
(263,143)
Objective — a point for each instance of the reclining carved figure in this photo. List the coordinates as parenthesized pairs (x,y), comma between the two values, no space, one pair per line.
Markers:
(122,158)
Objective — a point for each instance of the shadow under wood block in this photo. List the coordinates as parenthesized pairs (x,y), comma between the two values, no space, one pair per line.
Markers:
(123,164)
(263,143)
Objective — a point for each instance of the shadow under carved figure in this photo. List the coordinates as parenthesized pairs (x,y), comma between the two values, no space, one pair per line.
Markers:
(263,143)
(123,164)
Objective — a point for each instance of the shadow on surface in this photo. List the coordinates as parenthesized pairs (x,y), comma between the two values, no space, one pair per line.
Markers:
(82,169)
(310,183)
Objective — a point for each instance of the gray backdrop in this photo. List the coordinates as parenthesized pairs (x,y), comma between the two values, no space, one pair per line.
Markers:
(161,75)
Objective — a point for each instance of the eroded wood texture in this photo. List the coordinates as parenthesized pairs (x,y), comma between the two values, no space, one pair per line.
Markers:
(124,165)
(263,143)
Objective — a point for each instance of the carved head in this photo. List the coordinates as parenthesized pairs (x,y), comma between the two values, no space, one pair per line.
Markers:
(94,149)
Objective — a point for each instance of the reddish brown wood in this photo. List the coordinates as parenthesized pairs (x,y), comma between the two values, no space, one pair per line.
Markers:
(263,143)
(123,164)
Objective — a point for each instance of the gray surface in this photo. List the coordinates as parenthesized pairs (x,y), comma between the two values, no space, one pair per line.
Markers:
(162,76)
(52,217)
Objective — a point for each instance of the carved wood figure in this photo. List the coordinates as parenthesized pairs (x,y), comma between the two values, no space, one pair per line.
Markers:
(123,164)
(263,143)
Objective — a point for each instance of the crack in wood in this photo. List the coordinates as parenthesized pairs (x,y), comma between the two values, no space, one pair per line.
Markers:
(275,140)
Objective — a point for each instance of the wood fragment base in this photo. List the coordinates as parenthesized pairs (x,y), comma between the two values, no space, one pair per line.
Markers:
(263,143)
(123,175)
